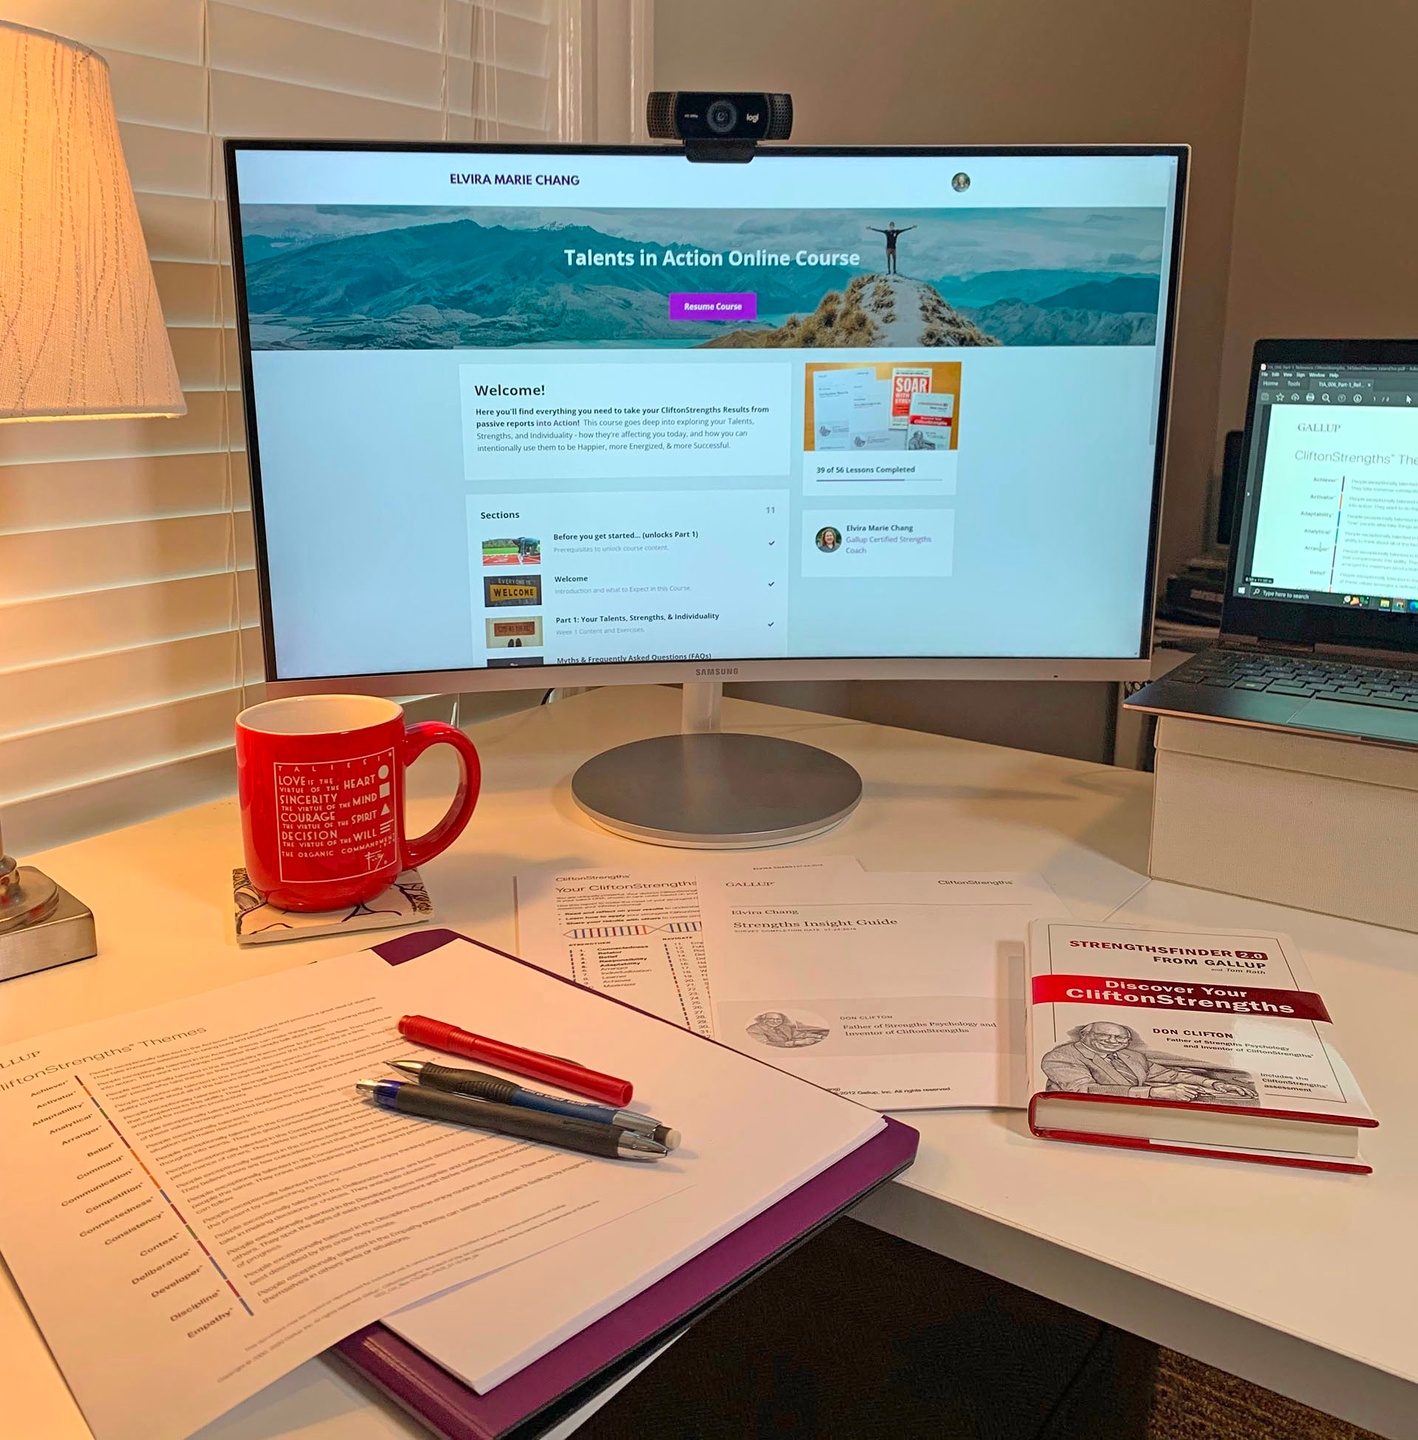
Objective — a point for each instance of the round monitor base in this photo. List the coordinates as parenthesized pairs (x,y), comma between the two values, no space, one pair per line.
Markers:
(717,791)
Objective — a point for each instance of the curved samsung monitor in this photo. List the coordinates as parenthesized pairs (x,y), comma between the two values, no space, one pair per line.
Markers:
(571,415)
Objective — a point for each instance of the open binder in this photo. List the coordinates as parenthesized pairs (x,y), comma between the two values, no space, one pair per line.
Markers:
(564,1379)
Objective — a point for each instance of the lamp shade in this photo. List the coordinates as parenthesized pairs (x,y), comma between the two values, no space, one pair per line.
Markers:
(81,327)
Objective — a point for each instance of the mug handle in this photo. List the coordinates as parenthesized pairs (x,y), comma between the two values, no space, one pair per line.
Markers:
(417,739)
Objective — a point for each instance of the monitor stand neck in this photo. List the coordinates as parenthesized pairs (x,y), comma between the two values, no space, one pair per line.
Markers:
(700,709)
(711,789)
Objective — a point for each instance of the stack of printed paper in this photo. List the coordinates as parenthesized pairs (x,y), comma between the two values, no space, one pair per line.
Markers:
(901,990)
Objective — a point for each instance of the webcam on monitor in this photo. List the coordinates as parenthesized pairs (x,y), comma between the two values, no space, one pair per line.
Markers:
(719,125)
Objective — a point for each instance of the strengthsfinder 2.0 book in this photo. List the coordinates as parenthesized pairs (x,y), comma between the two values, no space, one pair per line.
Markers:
(1197,1042)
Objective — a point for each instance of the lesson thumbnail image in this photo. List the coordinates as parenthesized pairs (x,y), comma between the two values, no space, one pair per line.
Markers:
(512,551)
(499,593)
(882,406)
(522,634)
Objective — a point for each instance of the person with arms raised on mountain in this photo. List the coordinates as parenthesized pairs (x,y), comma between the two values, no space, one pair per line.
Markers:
(893,233)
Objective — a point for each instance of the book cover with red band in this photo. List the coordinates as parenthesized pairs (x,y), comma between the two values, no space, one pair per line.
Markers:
(1197,1042)
(1123,993)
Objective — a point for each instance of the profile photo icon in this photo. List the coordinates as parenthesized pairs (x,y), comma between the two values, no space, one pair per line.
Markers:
(828,539)
(960,182)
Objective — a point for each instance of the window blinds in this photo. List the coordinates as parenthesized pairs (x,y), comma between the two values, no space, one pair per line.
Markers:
(128,616)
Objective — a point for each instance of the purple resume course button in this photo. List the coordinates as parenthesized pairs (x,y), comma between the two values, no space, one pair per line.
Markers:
(713,305)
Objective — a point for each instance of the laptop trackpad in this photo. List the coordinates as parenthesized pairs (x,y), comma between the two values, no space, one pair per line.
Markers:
(1371,720)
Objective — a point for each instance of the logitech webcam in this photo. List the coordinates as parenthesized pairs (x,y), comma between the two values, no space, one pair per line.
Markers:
(719,125)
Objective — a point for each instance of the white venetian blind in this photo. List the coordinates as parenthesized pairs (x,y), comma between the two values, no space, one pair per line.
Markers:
(128,616)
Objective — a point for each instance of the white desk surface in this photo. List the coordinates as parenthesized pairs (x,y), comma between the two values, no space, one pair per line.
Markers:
(1298,1280)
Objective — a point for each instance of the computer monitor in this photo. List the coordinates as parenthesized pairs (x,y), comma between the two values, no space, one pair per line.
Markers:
(538,416)
(1326,549)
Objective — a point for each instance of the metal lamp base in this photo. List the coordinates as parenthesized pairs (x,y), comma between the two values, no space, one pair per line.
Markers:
(63,932)
(717,791)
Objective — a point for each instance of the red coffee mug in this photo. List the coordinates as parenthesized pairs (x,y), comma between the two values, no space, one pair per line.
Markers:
(321,782)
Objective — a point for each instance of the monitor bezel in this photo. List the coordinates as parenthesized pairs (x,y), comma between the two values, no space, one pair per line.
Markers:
(482,678)
(1294,621)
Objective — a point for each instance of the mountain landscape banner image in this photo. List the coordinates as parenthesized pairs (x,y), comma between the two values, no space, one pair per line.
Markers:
(373,277)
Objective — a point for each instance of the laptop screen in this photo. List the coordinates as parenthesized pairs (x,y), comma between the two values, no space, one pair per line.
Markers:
(1329,514)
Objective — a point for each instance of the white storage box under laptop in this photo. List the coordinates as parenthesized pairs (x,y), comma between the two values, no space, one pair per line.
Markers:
(1303,820)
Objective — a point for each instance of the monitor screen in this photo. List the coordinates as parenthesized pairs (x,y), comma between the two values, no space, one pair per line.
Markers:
(1329,514)
(538,408)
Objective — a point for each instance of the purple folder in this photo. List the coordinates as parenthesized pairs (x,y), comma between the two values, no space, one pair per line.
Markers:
(535,1398)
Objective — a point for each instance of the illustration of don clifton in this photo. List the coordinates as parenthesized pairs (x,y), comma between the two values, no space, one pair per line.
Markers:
(1104,1058)
(776,1029)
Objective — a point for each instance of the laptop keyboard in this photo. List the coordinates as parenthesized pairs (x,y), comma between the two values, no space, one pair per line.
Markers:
(1302,678)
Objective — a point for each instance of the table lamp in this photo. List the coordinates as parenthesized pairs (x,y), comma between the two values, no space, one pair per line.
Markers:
(81,337)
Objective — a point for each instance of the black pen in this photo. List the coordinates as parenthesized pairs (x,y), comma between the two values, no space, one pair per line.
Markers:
(592,1137)
(508,1092)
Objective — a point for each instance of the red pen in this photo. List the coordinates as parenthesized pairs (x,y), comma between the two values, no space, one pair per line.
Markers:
(440,1035)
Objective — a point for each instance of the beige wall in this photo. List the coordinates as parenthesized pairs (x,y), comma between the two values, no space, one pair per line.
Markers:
(1326,199)
(1013,72)
(1008,72)
(1303,123)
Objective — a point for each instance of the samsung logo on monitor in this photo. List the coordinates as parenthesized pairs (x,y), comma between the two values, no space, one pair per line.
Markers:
(474,177)
(712,670)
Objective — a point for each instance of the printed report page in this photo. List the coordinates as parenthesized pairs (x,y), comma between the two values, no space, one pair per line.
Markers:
(528,410)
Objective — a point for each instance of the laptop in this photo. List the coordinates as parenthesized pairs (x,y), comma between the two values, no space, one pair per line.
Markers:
(1319,623)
